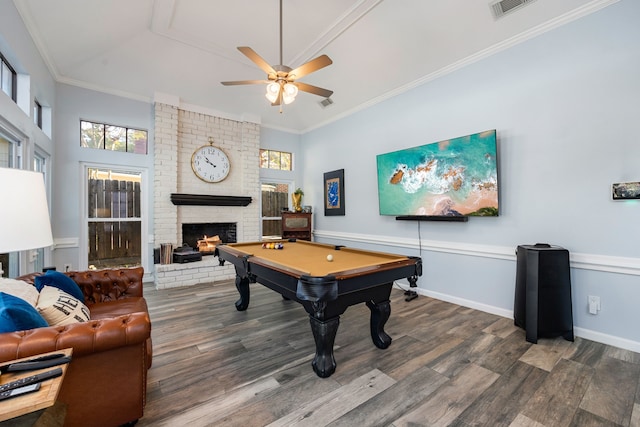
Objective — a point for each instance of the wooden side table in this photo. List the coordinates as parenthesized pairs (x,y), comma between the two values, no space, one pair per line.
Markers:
(13,409)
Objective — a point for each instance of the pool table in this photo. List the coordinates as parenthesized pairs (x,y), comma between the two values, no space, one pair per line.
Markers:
(301,271)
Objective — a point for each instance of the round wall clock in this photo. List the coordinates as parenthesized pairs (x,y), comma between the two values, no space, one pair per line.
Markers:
(210,163)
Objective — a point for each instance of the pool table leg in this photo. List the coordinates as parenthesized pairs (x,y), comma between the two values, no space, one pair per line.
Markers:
(324,333)
(380,313)
(242,285)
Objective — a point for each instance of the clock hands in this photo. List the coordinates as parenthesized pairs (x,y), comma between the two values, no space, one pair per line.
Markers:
(206,159)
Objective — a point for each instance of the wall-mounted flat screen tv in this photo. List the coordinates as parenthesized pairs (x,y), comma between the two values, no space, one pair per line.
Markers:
(455,177)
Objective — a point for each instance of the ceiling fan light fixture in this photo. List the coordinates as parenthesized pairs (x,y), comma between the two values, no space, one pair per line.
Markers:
(289,93)
(273,89)
(282,87)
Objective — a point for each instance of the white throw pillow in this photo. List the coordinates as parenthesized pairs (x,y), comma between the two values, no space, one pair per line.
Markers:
(20,289)
(59,308)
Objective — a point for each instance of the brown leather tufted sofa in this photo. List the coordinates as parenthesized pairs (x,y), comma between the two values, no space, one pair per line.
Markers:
(105,384)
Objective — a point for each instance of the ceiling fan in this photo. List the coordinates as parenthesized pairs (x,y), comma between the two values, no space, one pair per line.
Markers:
(282,86)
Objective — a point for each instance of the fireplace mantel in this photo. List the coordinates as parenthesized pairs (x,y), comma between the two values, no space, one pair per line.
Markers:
(208,200)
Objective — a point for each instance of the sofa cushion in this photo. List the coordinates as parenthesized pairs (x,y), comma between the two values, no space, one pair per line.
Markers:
(17,314)
(20,289)
(60,308)
(107,309)
(60,281)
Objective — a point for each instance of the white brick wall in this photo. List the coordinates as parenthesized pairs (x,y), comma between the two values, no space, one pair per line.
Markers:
(178,133)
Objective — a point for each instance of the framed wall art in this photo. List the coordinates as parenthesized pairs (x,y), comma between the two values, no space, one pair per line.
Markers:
(334,193)
(625,191)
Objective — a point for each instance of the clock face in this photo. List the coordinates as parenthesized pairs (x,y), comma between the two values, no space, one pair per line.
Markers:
(210,164)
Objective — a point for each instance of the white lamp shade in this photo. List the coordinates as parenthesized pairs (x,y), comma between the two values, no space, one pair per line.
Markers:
(24,212)
(289,93)
(273,90)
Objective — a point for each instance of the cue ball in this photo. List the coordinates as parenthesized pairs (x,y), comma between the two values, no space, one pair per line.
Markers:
(329,257)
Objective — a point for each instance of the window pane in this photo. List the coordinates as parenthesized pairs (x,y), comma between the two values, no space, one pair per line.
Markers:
(6,79)
(115,138)
(113,194)
(137,141)
(114,244)
(37,113)
(274,198)
(91,135)
(285,161)
(264,159)
(272,228)
(274,160)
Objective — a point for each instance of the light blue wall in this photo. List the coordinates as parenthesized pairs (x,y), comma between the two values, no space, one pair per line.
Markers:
(273,139)
(75,104)
(565,107)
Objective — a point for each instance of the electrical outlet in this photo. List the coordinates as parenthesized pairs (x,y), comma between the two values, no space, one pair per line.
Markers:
(67,267)
(594,304)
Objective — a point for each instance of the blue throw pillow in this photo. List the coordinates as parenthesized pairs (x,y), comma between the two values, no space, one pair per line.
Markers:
(18,315)
(60,281)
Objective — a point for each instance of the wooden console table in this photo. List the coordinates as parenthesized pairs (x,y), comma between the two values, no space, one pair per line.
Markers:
(36,401)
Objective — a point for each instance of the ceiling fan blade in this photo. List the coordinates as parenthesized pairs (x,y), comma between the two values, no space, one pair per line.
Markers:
(314,89)
(257,59)
(245,82)
(311,66)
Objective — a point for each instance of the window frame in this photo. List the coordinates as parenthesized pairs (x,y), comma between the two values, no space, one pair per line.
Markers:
(144,211)
(127,131)
(14,78)
(37,113)
(280,153)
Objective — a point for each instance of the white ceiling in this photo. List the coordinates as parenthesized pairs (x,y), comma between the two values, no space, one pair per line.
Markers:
(149,49)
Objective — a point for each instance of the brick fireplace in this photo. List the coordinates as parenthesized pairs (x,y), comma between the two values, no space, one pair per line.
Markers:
(178,133)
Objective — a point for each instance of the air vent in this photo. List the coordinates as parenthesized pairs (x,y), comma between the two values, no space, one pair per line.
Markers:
(326,102)
(501,8)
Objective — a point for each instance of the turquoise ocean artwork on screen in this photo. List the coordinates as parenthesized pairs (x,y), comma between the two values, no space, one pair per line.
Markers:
(455,177)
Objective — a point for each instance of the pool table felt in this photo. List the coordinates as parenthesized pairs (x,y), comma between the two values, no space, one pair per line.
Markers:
(311,258)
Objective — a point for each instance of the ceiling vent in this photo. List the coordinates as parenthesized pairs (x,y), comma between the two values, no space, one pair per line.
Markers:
(501,8)
(326,102)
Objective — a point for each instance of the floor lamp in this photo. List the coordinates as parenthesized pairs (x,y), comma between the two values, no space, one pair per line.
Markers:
(24,212)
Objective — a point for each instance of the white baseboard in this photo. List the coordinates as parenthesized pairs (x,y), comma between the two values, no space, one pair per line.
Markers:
(579,332)
(460,301)
(607,339)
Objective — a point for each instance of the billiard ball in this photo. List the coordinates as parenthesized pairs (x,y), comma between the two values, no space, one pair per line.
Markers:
(329,257)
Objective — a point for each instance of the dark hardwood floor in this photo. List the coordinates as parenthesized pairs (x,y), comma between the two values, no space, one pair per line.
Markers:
(447,366)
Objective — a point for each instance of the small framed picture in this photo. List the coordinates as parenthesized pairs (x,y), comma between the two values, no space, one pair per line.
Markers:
(625,191)
(334,193)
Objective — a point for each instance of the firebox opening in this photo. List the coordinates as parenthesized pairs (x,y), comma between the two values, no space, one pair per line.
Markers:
(193,232)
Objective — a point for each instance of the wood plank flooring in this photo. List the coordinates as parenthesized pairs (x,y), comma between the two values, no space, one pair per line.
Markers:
(447,366)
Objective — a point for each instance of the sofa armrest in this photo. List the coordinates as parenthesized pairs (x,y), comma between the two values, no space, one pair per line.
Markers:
(85,338)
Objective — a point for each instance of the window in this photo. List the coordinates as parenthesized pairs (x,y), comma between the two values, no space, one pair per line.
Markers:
(8,78)
(9,158)
(114,138)
(271,159)
(9,151)
(114,218)
(39,165)
(37,113)
(275,197)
